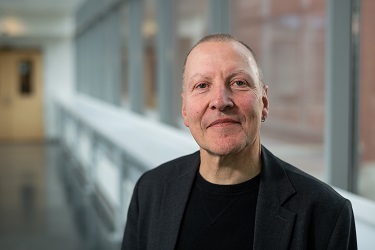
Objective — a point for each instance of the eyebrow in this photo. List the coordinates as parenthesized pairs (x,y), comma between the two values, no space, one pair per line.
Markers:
(198,75)
(239,72)
(231,75)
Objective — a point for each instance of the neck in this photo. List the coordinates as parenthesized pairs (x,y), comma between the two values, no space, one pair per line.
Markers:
(233,168)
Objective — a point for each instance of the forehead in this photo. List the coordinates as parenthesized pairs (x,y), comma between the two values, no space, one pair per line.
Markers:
(220,54)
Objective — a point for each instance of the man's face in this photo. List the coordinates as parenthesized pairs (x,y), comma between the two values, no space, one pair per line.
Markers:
(223,100)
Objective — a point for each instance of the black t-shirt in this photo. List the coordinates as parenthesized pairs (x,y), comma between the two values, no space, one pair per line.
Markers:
(219,216)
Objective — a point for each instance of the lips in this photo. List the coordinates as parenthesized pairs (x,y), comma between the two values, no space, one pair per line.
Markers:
(222,122)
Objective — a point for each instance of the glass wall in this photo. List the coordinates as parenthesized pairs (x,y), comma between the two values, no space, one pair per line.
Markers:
(125,42)
(169,30)
(192,25)
(98,45)
(149,29)
(289,40)
(366,183)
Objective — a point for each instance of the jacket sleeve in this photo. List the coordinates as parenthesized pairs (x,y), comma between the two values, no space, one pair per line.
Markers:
(344,233)
(130,238)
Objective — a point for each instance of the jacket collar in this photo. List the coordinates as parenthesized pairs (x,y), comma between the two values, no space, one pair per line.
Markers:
(176,195)
(274,184)
(273,223)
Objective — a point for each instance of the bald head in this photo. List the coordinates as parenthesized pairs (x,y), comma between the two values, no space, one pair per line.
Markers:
(221,37)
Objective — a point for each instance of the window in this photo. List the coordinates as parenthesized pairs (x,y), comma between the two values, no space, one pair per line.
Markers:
(124,33)
(192,25)
(149,53)
(289,40)
(366,175)
(25,69)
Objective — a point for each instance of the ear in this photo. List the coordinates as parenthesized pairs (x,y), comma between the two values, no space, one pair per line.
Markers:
(183,111)
(265,102)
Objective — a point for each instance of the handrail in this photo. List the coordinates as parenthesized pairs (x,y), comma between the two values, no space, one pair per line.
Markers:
(105,141)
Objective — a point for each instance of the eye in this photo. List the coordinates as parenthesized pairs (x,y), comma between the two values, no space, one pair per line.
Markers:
(239,83)
(201,86)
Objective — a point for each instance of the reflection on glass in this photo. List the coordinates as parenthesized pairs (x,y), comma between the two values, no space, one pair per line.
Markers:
(192,25)
(149,54)
(25,77)
(124,13)
(366,182)
(289,40)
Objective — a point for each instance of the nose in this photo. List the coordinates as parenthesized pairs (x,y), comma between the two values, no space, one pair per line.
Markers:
(221,99)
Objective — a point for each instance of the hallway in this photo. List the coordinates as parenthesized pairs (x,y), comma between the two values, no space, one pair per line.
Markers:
(34,211)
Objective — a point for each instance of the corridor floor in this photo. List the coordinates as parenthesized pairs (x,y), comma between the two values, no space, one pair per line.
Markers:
(34,213)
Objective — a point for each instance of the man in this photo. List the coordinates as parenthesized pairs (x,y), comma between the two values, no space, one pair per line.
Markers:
(233,193)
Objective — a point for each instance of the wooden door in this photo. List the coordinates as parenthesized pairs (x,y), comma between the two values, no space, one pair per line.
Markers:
(21,106)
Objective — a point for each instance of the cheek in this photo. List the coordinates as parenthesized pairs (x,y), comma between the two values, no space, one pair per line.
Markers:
(192,112)
(196,118)
(251,107)
(247,101)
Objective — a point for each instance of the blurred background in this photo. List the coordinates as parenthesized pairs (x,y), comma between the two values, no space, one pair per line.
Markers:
(90,99)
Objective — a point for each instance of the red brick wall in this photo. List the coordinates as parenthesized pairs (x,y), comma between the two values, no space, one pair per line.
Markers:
(289,39)
(367,81)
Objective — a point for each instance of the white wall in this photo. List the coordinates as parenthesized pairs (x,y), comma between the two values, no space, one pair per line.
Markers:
(58,66)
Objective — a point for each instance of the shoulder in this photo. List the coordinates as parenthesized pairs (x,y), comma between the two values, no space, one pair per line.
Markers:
(308,191)
(171,169)
(321,211)
(309,185)
(150,187)
(313,195)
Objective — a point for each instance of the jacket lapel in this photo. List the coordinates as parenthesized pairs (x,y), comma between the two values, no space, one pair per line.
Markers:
(273,223)
(176,195)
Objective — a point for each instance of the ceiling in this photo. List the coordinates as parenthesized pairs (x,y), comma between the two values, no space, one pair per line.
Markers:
(22,20)
(44,7)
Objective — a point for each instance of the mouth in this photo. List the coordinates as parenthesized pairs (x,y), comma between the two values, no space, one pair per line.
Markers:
(223,122)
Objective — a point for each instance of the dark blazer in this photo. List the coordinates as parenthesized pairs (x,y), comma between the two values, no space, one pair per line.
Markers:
(294,210)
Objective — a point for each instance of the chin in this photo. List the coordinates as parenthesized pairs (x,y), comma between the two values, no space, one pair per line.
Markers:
(224,149)
(228,146)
